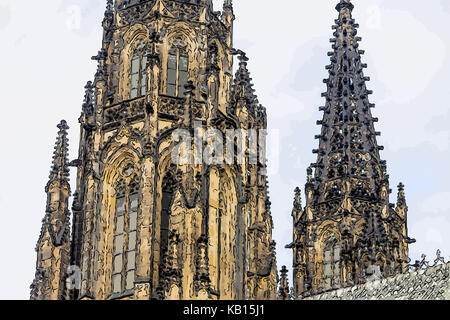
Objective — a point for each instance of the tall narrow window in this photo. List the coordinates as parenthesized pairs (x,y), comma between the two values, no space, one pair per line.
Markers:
(125,236)
(167,197)
(119,238)
(166,208)
(132,234)
(177,72)
(331,259)
(249,223)
(139,72)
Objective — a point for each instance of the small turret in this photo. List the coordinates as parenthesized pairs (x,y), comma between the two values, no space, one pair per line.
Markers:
(54,242)
(284,284)
(244,99)
(227,15)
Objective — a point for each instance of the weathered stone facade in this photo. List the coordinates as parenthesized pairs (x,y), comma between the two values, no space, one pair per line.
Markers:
(145,227)
(348,226)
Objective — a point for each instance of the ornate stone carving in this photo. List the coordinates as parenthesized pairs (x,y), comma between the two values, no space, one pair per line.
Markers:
(348,192)
(140,231)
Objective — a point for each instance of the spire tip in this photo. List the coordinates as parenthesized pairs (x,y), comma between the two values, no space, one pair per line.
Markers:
(345,4)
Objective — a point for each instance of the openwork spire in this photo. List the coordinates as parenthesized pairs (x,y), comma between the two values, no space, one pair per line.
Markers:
(347,144)
(60,169)
(347,214)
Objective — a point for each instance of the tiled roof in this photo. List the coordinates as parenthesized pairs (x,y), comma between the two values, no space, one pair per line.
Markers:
(432,283)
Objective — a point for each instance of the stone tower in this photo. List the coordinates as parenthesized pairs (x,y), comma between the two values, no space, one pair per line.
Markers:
(145,225)
(348,230)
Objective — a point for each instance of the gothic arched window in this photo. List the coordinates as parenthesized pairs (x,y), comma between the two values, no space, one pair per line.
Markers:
(138,76)
(177,70)
(125,236)
(331,259)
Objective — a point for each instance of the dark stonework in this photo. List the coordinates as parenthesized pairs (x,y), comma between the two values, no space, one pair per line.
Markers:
(348,224)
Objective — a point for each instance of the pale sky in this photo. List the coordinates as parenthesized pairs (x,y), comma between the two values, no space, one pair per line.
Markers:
(45,63)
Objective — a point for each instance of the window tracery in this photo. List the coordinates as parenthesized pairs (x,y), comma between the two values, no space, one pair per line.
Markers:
(125,232)
(177,69)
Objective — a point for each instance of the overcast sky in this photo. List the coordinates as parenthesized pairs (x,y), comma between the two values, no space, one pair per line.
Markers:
(45,62)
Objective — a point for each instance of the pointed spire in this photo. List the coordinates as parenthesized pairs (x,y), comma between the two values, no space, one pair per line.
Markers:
(401,198)
(347,142)
(345,4)
(60,169)
(53,245)
(243,86)
(298,199)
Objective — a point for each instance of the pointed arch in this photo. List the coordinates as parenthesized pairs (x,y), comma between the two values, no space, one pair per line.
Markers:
(178,58)
(329,251)
(214,226)
(381,262)
(164,197)
(134,62)
(177,69)
(228,207)
(120,194)
(125,231)
(138,74)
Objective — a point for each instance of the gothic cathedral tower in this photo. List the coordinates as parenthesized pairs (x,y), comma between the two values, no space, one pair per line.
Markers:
(348,230)
(144,225)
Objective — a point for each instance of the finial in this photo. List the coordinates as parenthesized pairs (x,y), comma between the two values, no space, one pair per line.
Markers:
(242,56)
(62,126)
(345,4)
